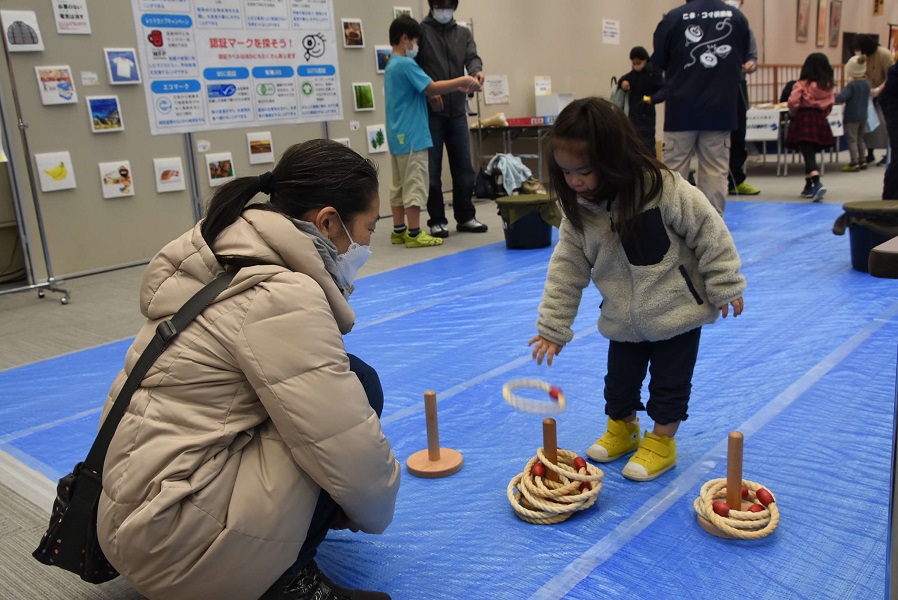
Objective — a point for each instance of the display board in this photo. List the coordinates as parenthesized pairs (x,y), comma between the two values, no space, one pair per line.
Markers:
(221,64)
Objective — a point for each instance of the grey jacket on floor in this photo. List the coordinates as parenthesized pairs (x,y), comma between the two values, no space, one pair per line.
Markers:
(680,268)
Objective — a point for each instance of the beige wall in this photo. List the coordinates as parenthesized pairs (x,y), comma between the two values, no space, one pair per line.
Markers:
(561,39)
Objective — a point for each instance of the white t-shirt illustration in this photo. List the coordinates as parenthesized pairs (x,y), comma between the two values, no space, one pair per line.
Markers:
(123,67)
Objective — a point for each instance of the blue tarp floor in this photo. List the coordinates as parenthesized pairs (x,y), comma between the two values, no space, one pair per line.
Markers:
(807,374)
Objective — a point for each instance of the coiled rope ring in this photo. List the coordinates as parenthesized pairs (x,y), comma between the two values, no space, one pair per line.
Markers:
(760,520)
(557,405)
(541,501)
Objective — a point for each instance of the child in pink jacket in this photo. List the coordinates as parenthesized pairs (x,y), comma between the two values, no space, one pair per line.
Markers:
(811,100)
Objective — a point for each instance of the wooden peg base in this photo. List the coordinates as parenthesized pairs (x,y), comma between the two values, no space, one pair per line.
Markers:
(420,465)
(711,528)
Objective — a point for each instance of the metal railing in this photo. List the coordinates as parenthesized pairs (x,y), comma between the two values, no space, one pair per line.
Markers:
(766,84)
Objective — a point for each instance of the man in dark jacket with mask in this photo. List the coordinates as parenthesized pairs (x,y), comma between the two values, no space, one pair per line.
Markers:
(447,49)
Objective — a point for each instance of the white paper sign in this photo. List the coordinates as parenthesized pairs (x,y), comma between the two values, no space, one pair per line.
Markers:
(610,32)
(169,174)
(220,64)
(21,31)
(55,171)
(116,179)
(542,85)
(219,168)
(495,89)
(71,17)
(261,149)
(762,125)
(89,78)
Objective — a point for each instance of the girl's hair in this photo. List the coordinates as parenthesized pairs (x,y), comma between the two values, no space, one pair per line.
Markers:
(616,154)
(310,175)
(816,68)
(639,53)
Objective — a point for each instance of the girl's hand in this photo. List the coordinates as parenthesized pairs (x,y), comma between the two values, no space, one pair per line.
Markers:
(738,304)
(543,348)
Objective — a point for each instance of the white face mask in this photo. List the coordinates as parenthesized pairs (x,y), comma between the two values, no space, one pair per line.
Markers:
(349,263)
(443,15)
(733,3)
(413,51)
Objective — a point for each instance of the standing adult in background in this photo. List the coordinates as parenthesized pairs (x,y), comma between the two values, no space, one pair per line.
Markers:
(446,51)
(701,46)
(888,100)
(646,86)
(878,62)
(738,152)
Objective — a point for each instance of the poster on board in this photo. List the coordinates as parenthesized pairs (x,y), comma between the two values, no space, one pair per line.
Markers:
(121,66)
(55,171)
(169,174)
(116,179)
(261,150)
(71,17)
(56,85)
(220,168)
(21,31)
(237,64)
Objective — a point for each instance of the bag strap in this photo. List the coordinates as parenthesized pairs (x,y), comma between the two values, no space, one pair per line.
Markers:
(166,331)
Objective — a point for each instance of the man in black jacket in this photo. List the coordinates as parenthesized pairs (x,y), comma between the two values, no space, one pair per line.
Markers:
(447,49)
(701,47)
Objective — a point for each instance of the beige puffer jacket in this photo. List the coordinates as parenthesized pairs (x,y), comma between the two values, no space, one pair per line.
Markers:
(212,476)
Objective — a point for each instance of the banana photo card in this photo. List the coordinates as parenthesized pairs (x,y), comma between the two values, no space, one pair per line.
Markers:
(55,171)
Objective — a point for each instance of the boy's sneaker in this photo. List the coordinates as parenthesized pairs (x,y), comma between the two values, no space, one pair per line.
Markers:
(621,438)
(398,238)
(806,192)
(312,584)
(439,230)
(851,167)
(817,192)
(472,226)
(745,189)
(422,240)
(656,455)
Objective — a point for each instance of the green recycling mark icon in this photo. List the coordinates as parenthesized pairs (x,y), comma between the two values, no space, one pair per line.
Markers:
(265,89)
(307,88)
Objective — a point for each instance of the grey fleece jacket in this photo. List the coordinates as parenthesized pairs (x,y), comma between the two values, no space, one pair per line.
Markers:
(680,269)
(445,52)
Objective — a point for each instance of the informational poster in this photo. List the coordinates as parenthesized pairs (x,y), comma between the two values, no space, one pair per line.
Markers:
(56,85)
(219,64)
(542,85)
(611,32)
(71,17)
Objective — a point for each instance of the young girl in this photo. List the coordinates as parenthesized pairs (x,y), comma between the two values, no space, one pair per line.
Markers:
(663,261)
(646,86)
(811,100)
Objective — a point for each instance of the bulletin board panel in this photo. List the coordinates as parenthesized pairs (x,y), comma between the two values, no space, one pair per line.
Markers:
(86,232)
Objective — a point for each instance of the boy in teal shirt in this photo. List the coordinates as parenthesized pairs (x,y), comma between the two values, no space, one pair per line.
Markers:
(406,87)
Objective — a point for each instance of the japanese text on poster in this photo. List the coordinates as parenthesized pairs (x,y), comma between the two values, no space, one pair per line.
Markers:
(218,64)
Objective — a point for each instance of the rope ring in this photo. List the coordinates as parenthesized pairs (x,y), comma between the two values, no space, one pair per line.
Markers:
(557,404)
(540,501)
(740,524)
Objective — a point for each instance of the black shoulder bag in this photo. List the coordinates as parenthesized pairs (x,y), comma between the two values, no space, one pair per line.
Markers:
(70,542)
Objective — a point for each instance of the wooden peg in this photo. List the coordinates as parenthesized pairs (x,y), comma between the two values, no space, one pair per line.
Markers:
(433,462)
(734,484)
(550,446)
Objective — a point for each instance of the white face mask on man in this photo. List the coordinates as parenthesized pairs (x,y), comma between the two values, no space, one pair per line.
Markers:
(349,263)
(443,15)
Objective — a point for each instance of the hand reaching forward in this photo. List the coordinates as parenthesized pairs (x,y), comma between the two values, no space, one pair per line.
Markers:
(543,348)
(738,303)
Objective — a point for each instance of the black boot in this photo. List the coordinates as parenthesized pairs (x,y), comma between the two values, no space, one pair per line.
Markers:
(312,584)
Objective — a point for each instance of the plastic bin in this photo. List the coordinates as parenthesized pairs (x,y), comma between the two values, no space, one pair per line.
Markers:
(869,224)
(527,220)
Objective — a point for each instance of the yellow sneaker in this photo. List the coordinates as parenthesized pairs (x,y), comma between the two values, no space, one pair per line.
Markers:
(656,455)
(422,240)
(398,238)
(620,438)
